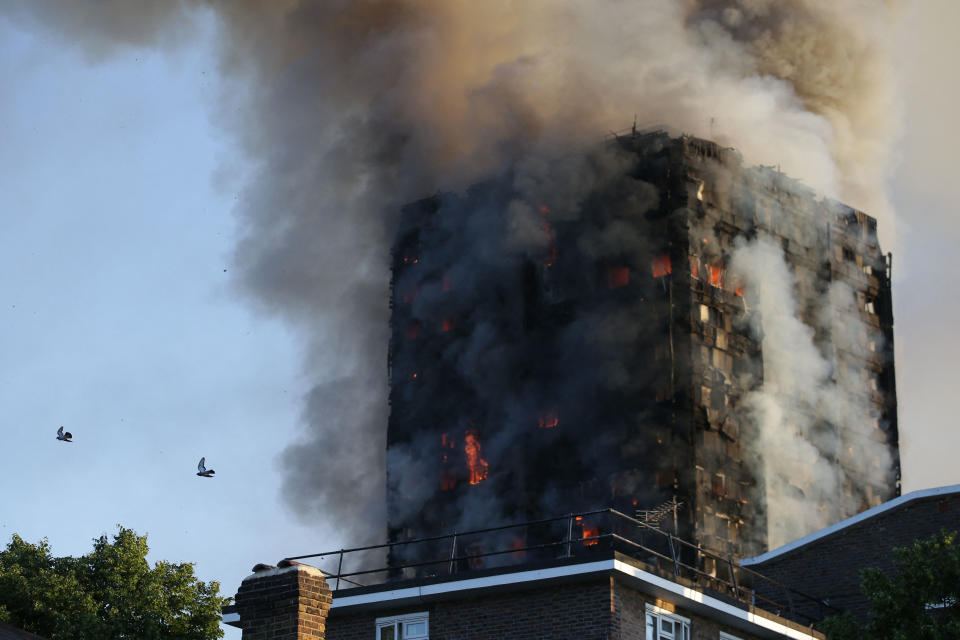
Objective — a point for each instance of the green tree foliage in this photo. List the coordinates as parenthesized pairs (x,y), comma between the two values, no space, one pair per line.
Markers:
(111,593)
(919,601)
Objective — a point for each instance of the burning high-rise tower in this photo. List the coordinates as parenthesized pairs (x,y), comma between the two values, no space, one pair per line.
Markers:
(649,322)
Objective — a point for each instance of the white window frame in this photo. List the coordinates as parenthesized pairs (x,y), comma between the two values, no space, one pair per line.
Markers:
(654,624)
(726,636)
(403,623)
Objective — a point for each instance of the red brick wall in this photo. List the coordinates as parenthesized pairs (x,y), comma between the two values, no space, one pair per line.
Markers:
(291,604)
(596,610)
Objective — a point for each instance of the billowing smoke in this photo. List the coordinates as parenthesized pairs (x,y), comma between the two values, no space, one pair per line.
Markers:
(815,427)
(350,109)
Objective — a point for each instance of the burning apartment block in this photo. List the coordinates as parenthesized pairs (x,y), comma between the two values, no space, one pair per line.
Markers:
(650,326)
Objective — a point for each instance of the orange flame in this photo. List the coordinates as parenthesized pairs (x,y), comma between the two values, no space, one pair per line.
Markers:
(714,275)
(694,267)
(549,420)
(618,277)
(661,266)
(476,465)
(589,531)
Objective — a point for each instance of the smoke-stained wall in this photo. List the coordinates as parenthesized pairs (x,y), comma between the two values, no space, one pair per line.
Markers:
(667,324)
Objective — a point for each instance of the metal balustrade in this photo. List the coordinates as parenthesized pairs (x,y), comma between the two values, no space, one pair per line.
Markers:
(569,538)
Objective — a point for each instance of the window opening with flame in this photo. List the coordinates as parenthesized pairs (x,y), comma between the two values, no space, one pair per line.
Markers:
(715,275)
(661,266)
(448,323)
(448,480)
(588,531)
(477,467)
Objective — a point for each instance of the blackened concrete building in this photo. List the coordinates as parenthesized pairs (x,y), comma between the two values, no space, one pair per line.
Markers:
(658,325)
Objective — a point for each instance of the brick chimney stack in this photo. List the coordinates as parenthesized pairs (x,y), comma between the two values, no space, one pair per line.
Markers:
(286,602)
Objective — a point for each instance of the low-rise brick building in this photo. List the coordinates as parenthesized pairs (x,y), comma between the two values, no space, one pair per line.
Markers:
(612,598)
(604,587)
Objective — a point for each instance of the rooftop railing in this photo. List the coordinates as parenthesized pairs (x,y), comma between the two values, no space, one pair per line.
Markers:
(571,538)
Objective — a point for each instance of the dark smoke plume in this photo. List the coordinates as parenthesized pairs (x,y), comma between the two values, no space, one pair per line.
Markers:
(350,109)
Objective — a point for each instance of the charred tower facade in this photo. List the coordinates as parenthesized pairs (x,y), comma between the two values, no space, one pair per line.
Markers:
(650,322)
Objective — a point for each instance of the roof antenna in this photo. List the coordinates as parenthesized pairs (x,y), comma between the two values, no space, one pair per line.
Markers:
(634,125)
(712,122)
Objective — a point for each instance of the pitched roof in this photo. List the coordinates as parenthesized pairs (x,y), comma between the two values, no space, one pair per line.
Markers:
(843,524)
(8,632)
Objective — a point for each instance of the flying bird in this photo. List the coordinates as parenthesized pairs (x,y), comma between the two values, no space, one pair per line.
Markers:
(65,436)
(202,469)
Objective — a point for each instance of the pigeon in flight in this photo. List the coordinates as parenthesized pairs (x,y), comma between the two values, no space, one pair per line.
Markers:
(202,469)
(65,436)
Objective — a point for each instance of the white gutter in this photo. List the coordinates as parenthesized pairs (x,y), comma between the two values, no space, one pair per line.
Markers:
(503,579)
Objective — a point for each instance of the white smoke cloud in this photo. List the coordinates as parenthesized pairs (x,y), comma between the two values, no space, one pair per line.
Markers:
(810,420)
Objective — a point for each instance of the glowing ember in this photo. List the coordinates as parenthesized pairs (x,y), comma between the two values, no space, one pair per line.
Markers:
(549,420)
(476,465)
(661,266)
(448,324)
(518,545)
(618,277)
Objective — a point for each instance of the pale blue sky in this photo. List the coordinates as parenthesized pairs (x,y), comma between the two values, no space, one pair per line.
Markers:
(118,321)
